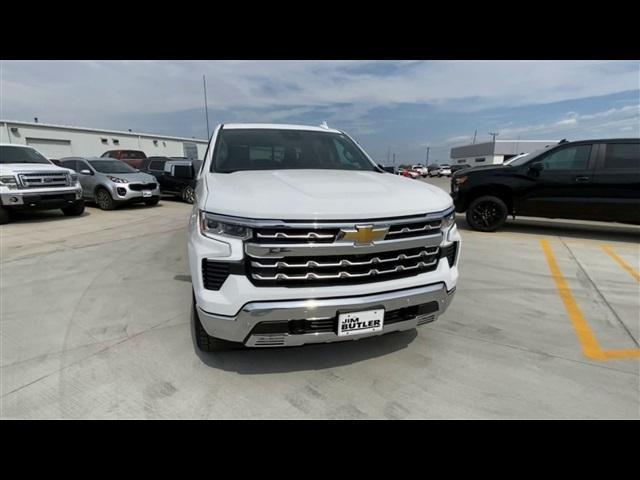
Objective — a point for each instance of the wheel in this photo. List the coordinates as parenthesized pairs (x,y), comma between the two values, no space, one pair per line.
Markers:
(74,210)
(206,342)
(188,194)
(4,216)
(105,200)
(487,213)
(150,202)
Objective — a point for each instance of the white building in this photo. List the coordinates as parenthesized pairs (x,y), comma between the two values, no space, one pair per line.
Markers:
(495,152)
(57,141)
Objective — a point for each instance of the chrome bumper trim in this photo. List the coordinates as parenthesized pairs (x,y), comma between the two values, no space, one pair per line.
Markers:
(238,328)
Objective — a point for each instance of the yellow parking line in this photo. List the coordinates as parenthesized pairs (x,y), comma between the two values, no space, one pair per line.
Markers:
(590,346)
(621,262)
(619,354)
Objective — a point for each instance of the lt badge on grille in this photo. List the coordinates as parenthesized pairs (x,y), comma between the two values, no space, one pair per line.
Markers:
(362,234)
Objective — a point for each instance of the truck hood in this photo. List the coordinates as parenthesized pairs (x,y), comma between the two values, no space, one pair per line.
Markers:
(138,177)
(13,168)
(320,195)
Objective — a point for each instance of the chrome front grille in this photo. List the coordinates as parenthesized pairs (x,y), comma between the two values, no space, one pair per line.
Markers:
(399,228)
(44,180)
(301,253)
(331,270)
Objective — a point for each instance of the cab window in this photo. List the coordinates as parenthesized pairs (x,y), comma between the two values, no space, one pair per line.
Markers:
(622,156)
(570,158)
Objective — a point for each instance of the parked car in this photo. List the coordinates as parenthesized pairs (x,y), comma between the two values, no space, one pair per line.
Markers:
(585,180)
(445,171)
(28,181)
(433,170)
(421,169)
(175,175)
(110,183)
(406,172)
(131,157)
(298,237)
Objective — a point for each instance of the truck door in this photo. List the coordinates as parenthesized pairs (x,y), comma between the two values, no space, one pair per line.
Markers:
(616,185)
(561,183)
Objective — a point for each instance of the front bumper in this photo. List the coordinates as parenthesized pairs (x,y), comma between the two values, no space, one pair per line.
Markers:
(40,198)
(122,192)
(242,327)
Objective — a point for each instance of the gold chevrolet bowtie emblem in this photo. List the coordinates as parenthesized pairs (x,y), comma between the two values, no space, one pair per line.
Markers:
(363,234)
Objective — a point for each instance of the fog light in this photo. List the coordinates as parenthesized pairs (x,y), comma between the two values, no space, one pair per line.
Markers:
(14,199)
(121,191)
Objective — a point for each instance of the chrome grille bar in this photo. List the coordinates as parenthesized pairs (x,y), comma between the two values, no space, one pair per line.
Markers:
(304,236)
(343,262)
(343,274)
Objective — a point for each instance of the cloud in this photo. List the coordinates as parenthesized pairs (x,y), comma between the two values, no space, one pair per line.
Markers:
(79,88)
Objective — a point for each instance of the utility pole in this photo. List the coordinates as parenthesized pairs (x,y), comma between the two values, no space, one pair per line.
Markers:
(474,135)
(428,148)
(494,135)
(394,159)
(388,155)
(206,106)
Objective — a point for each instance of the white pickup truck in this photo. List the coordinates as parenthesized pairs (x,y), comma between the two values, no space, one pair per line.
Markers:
(297,236)
(28,181)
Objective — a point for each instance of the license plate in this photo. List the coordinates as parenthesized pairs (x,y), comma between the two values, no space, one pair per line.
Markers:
(357,323)
(146,193)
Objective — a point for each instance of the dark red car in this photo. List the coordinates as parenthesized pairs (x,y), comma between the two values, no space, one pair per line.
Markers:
(130,157)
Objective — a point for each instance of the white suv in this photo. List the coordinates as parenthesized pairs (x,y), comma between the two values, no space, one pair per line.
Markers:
(29,181)
(298,237)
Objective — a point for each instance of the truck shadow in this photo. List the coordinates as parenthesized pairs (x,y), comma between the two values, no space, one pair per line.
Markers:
(250,361)
(615,232)
(39,216)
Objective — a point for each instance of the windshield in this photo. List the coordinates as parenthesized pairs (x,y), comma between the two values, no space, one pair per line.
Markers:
(271,149)
(9,154)
(521,160)
(517,160)
(111,166)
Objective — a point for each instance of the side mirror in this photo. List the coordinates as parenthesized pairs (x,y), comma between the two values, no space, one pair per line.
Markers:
(536,168)
(86,172)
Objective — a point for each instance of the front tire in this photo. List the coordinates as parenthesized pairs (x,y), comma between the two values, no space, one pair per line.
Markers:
(74,210)
(205,342)
(4,216)
(487,213)
(104,200)
(188,194)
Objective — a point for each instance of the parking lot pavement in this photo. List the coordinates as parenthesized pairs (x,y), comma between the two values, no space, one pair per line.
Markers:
(95,323)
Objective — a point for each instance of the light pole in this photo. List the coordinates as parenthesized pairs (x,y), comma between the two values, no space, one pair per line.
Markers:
(206,106)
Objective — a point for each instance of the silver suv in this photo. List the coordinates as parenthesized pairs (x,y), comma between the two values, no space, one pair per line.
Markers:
(109,182)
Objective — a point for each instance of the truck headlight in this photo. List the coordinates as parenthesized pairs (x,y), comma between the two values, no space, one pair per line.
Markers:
(460,180)
(9,181)
(210,226)
(448,222)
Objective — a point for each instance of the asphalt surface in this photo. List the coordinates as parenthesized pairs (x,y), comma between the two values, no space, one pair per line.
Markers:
(95,323)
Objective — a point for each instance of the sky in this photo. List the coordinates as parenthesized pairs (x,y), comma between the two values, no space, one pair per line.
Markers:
(401,107)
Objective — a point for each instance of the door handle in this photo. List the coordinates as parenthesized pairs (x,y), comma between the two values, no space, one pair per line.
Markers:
(581,179)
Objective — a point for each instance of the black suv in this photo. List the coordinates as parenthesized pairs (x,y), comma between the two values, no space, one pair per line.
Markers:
(585,180)
(176,175)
